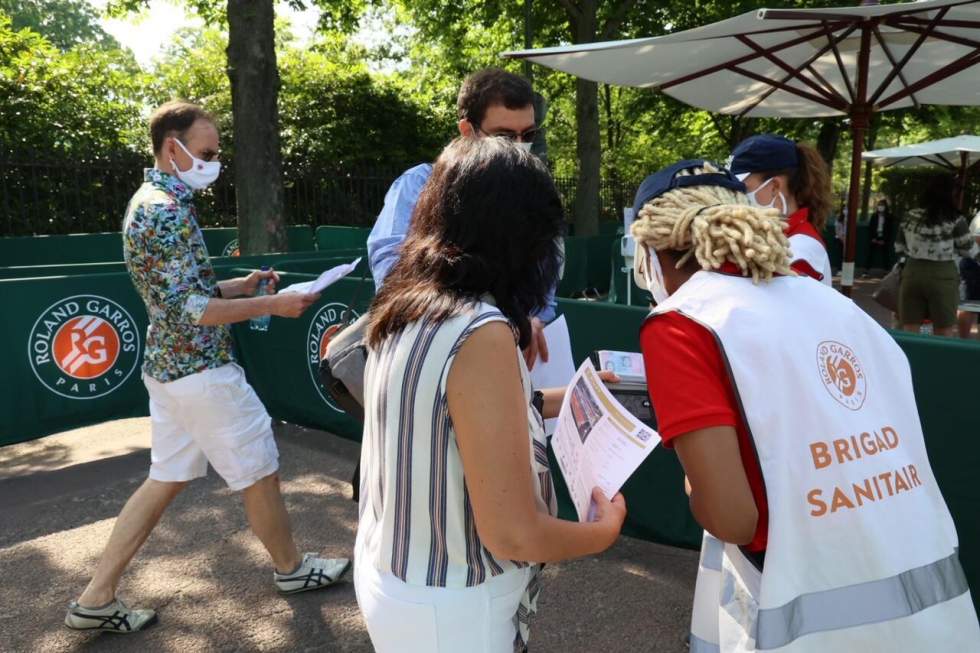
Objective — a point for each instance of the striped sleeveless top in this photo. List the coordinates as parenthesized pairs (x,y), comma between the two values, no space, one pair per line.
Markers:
(416,521)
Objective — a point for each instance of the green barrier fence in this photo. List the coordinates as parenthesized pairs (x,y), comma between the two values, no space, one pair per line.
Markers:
(223,241)
(74,347)
(330,237)
(307,262)
(575,277)
(75,343)
(49,250)
(598,249)
(23,251)
(62,269)
(944,372)
(299,237)
(324,261)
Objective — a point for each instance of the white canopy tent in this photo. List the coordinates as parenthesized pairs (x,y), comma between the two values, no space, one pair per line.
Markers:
(958,154)
(801,63)
(951,153)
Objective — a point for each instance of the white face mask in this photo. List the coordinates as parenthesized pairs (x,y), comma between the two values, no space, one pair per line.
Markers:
(525,146)
(201,174)
(772,203)
(649,275)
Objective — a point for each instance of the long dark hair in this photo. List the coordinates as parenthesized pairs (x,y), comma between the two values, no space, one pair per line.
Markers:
(937,197)
(487,223)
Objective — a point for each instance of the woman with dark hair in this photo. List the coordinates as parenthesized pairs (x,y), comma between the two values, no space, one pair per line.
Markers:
(931,238)
(794,179)
(457,503)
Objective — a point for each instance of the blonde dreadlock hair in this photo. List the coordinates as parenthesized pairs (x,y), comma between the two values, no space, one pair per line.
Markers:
(715,225)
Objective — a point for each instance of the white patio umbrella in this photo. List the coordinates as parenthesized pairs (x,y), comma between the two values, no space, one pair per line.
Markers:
(802,63)
(958,154)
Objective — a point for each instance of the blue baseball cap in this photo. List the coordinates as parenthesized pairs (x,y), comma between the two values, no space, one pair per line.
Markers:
(762,153)
(667,179)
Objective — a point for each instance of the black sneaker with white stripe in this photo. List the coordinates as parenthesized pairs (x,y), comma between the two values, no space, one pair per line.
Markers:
(113,617)
(313,573)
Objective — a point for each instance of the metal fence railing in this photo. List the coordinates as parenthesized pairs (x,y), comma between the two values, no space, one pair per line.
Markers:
(38,197)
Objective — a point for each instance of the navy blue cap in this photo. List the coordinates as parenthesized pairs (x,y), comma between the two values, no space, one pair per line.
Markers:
(762,153)
(667,179)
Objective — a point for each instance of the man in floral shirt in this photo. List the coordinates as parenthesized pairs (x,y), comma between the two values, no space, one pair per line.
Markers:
(202,408)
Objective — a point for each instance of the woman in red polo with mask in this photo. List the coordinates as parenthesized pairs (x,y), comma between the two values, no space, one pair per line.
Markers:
(793,179)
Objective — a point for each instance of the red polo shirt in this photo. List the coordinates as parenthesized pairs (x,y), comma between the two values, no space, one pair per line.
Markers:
(798,224)
(691,390)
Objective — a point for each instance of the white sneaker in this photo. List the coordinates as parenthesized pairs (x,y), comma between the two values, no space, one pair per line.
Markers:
(312,574)
(114,618)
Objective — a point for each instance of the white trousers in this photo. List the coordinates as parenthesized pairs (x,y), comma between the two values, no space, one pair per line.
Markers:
(404,618)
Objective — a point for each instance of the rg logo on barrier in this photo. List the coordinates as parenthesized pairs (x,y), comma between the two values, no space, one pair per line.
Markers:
(323,327)
(231,249)
(83,347)
(842,374)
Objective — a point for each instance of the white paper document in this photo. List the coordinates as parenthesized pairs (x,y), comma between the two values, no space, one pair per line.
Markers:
(324,281)
(559,369)
(597,442)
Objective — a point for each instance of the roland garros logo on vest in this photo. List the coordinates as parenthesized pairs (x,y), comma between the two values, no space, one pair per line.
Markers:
(842,374)
(83,347)
(324,325)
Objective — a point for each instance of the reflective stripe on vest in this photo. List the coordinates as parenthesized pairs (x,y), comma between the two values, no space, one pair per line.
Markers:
(699,645)
(712,550)
(704,616)
(899,596)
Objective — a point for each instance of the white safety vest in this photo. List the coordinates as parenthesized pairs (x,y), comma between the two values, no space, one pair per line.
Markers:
(862,551)
(811,250)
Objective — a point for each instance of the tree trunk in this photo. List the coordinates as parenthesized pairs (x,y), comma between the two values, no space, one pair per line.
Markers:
(828,138)
(588,145)
(254,104)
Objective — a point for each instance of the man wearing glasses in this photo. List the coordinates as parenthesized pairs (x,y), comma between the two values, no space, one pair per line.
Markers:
(491,102)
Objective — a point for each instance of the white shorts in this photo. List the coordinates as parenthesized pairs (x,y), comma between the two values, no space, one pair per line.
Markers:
(403,618)
(211,416)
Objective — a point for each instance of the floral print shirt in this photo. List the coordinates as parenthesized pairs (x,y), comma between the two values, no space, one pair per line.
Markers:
(933,241)
(166,257)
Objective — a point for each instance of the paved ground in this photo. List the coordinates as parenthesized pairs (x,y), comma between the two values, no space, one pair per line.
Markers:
(210,580)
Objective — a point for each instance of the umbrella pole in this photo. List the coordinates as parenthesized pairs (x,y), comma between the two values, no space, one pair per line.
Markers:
(859,124)
(860,113)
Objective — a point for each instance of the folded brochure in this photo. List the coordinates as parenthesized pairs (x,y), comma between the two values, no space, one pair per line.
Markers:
(598,443)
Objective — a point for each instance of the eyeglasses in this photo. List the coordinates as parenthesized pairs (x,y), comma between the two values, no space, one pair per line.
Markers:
(526,136)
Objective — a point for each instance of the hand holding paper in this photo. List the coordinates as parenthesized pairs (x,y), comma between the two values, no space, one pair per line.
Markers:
(324,281)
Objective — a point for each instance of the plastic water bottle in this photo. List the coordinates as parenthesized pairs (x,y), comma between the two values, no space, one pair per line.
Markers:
(261,323)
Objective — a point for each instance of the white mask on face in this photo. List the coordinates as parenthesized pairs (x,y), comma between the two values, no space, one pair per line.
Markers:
(649,275)
(201,174)
(525,146)
(772,203)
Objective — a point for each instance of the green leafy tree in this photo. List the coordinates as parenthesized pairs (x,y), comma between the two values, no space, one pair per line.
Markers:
(65,23)
(81,108)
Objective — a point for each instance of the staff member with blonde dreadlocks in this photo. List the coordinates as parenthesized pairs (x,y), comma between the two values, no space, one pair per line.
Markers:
(793,415)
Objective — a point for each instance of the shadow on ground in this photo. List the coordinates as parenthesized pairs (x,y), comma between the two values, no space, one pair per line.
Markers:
(211,582)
